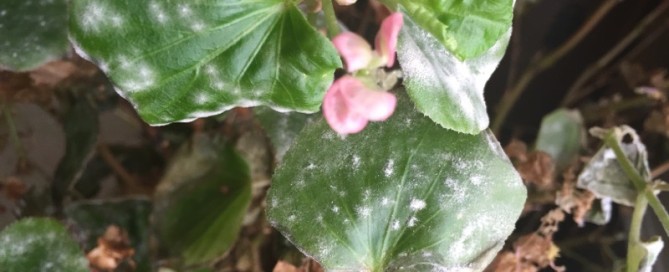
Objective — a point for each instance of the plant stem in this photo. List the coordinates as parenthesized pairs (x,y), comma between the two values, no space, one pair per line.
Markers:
(634,252)
(330,18)
(639,183)
(592,70)
(540,64)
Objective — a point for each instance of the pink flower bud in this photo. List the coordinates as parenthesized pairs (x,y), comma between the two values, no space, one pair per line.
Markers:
(357,53)
(349,105)
(386,39)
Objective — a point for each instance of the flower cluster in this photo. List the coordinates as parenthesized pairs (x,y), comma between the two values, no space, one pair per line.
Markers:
(357,98)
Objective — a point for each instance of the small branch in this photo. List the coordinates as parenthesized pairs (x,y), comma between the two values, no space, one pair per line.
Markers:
(639,183)
(541,64)
(659,170)
(126,178)
(330,18)
(634,251)
(594,113)
(604,61)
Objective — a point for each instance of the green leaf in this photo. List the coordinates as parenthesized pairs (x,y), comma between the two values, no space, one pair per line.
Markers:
(444,88)
(604,176)
(201,202)
(561,135)
(37,244)
(33,33)
(403,195)
(181,60)
(468,29)
(92,218)
(281,127)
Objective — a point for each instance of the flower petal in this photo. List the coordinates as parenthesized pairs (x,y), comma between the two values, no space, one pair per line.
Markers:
(357,53)
(386,39)
(346,2)
(375,105)
(337,111)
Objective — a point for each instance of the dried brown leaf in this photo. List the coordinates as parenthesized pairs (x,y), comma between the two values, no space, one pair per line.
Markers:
(538,169)
(14,188)
(282,266)
(574,200)
(508,262)
(112,250)
(516,150)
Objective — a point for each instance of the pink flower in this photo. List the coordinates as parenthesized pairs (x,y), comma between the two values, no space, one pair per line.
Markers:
(386,39)
(357,53)
(349,105)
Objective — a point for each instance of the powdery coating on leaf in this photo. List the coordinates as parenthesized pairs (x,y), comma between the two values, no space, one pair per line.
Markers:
(28,244)
(194,59)
(413,191)
(417,204)
(444,88)
(98,16)
(33,33)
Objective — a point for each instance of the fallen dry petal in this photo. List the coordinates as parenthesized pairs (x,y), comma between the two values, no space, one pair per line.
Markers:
(112,250)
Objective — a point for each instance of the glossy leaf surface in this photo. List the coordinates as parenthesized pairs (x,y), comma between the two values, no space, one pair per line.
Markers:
(403,195)
(201,201)
(466,28)
(444,88)
(39,245)
(32,32)
(181,60)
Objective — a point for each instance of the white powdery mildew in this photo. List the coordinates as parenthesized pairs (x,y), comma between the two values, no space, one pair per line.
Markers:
(464,81)
(363,211)
(202,98)
(389,169)
(140,78)
(197,25)
(184,10)
(458,192)
(335,209)
(158,12)
(385,201)
(476,180)
(395,225)
(356,161)
(97,17)
(417,204)
(412,221)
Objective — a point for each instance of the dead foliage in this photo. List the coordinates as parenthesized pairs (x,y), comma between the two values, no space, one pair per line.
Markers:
(113,249)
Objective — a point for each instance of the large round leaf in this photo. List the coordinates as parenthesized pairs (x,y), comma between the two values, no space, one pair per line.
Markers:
(180,60)
(201,201)
(39,245)
(33,32)
(444,88)
(403,195)
(467,28)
